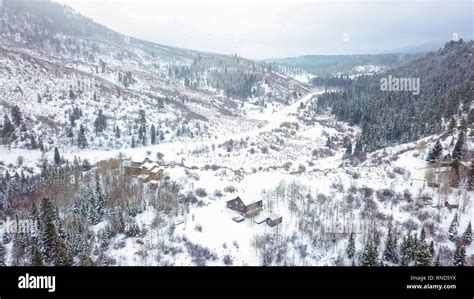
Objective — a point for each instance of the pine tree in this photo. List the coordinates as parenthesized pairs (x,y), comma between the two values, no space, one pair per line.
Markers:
(72,96)
(358,147)
(437,263)
(458,147)
(432,251)
(414,243)
(351,246)
(100,122)
(396,258)
(86,165)
(18,250)
(92,215)
(8,127)
(435,152)
(2,255)
(100,202)
(53,245)
(452,124)
(57,157)
(390,252)
(41,146)
(17,116)
(346,143)
(33,143)
(117,132)
(423,256)
(467,235)
(422,235)
(470,181)
(48,230)
(459,258)
(405,252)
(153,134)
(142,126)
(369,255)
(453,228)
(328,142)
(81,139)
(142,135)
(36,259)
(62,256)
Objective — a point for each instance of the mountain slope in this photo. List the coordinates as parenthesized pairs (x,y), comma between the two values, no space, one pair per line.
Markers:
(61,69)
(389,117)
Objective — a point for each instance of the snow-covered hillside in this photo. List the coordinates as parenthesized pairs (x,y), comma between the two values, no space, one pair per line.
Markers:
(62,80)
(82,104)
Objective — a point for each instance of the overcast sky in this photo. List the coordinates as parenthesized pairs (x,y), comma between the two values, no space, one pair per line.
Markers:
(277,28)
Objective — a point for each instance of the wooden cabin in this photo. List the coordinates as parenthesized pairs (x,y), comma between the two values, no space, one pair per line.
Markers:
(152,169)
(245,207)
(270,219)
(133,166)
(274,220)
(156,173)
(148,166)
(140,162)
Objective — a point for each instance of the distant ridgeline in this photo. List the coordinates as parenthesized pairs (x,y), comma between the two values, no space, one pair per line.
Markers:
(446,91)
(330,65)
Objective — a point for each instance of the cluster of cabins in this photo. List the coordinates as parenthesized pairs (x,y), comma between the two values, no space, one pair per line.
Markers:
(253,209)
(149,171)
(146,170)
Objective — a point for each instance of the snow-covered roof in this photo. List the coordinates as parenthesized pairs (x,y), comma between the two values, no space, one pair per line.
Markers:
(260,218)
(143,176)
(156,170)
(248,201)
(139,160)
(154,182)
(274,216)
(149,165)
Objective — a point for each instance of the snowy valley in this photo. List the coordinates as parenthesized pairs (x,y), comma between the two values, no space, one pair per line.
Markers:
(89,113)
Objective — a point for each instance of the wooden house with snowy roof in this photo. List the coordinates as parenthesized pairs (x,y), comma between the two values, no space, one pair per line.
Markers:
(245,207)
(133,166)
(153,169)
(271,219)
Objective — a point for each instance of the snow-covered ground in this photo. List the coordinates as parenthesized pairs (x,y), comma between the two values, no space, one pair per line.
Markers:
(210,225)
(251,132)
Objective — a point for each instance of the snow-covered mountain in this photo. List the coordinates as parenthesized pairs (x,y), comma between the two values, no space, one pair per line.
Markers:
(82,104)
(61,68)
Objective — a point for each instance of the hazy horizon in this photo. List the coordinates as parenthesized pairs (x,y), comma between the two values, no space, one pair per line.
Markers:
(265,29)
